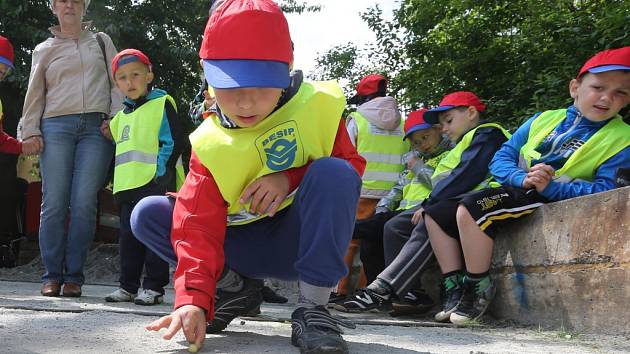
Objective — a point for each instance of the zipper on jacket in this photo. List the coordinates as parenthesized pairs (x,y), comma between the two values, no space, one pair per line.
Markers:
(559,138)
(82,74)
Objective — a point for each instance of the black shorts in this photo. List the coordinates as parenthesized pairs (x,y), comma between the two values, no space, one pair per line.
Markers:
(486,206)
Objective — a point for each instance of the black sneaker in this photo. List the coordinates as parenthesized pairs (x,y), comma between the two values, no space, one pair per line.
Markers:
(366,300)
(335,298)
(229,305)
(475,301)
(451,300)
(272,297)
(413,303)
(315,330)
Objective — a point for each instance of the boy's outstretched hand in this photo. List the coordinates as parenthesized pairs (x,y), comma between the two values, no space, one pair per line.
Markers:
(417,216)
(539,177)
(190,318)
(266,193)
(107,133)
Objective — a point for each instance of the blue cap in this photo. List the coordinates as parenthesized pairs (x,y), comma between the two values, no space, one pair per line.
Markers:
(6,61)
(604,68)
(240,73)
(415,128)
(432,116)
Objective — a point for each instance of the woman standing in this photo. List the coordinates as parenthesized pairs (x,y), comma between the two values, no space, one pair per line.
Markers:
(69,97)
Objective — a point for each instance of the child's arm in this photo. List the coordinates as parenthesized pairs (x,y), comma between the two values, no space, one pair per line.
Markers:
(352,130)
(473,167)
(504,165)
(172,139)
(604,180)
(391,201)
(8,144)
(198,233)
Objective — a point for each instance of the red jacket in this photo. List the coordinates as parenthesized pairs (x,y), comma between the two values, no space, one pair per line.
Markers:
(8,144)
(199,223)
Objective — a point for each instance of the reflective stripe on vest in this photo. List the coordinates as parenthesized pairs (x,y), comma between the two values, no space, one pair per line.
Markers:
(383,151)
(583,163)
(448,163)
(137,144)
(302,130)
(416,191)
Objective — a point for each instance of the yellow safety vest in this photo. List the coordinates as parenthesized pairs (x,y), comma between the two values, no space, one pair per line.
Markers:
(137,145)
(416,192)
(446,166)
(302,130)
(584,162)
(383,151)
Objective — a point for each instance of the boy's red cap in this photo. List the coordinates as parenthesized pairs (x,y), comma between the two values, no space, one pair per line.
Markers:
(247,43)
(127,56)
(415,121)
(607,60)
(452,100)
(6,51)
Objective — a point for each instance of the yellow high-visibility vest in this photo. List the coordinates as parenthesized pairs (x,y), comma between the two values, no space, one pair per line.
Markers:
(383,151)
(584,162)
(302,130)
(137,145)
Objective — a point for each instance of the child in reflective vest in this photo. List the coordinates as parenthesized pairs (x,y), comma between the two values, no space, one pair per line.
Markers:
(463,169)
(149,138)
(555,155)
(8,144)
(428,147)
(240,216)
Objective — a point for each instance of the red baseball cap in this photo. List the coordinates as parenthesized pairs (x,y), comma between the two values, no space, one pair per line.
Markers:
(6,52)
(367,86)
(415,121)
(607,60)
(247,43)
(453,100)
(127,56)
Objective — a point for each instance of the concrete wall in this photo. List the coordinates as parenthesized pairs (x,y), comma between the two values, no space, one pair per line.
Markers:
(568,264)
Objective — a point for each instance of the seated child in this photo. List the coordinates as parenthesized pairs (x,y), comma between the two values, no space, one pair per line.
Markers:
(428,147)
(555,155)
(240,216)
(463,169)
(149,138)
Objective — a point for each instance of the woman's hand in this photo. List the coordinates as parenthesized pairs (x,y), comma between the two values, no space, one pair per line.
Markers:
(107,133)
(33,145)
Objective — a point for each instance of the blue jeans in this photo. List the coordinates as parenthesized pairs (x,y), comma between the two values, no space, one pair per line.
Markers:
(306,241)
(74,166)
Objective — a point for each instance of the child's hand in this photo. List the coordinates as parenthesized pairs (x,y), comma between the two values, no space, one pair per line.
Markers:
(208,100)
(33,145)
(266,193)
(539,177)
(412,161)
(190,318)
(107,133)
(417,216)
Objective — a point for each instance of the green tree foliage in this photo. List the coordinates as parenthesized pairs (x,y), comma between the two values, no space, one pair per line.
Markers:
(517,55)
(168,31)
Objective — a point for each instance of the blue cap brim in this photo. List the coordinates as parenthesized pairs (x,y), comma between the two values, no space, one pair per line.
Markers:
(415,128)
(6,61)
(432,116)
(239,73)
(604,68)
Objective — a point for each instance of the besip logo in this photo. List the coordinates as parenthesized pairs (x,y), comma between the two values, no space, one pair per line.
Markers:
(280,146)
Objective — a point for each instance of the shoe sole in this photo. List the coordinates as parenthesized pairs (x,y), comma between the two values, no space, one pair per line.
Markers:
(155,302)
(384,309)
(322,350)
(117,300)
(402,309)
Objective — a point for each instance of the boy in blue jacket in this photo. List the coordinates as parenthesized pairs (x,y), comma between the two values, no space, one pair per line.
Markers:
(555,155)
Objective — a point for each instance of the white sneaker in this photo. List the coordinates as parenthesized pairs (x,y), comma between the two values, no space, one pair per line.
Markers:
(120,295)
(149,297)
